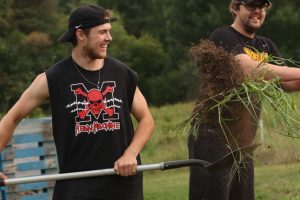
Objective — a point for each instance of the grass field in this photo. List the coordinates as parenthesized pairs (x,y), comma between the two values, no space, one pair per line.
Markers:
(277,160)
(277,182)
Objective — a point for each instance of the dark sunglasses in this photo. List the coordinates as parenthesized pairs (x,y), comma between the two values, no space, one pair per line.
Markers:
(252,7)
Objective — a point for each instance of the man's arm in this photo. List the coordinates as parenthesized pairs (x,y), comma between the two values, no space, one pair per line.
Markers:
(291,85)
(288,76)
(126,165)
(32,97)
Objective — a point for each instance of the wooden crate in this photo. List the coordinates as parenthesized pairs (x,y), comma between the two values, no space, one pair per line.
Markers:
(31,152)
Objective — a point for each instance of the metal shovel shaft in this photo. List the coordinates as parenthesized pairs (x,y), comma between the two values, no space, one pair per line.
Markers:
(102,172)
(73,175)
(227,159)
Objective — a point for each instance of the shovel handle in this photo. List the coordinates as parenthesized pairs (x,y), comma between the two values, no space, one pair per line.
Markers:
(101,172)
(185,163)
(140,168)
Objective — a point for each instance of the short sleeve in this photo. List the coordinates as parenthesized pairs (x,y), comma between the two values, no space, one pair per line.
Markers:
(226,38)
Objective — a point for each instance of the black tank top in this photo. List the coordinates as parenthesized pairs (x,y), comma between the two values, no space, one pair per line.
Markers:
(92,125)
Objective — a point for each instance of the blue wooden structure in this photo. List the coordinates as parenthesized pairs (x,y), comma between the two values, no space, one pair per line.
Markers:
(31,152)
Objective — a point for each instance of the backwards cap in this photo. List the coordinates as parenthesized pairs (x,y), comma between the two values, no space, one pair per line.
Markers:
(85,17)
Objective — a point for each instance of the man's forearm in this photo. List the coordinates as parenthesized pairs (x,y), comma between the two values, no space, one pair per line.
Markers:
(291,85)
(7,128)
(142,134)
(256,69)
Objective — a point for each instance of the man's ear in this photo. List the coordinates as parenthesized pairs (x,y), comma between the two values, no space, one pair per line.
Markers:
(234,9)
(79,35)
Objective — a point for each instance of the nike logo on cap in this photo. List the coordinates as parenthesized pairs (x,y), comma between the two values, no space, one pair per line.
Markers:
(78,26)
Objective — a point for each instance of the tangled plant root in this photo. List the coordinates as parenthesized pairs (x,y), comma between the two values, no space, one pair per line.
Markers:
(220,73)
(228,100)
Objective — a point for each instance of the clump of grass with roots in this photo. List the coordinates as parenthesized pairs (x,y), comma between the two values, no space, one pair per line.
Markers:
(224,84)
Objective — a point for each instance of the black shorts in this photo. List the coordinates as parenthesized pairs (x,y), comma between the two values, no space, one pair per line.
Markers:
(230,182)
(100,188)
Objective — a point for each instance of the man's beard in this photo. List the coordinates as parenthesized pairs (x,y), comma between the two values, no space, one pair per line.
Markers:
(89,52)
(250,30)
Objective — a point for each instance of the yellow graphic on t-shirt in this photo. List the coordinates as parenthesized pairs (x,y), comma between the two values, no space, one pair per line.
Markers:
(255,55)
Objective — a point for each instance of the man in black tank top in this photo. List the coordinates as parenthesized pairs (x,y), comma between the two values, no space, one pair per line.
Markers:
(241,40)
(92,98)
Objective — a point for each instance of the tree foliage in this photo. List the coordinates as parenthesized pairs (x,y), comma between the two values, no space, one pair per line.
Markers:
(151,36)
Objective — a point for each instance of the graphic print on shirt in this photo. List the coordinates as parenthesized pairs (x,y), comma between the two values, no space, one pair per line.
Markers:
(256,55)
(96,109)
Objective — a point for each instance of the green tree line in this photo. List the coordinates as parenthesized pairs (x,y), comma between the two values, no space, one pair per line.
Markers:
(151,36)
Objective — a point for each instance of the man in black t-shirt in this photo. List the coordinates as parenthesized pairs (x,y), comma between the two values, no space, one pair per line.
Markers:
(249,50)
(92,98)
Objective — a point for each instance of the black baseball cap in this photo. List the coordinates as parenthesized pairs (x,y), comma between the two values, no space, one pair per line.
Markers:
(267,2)
(85,17)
